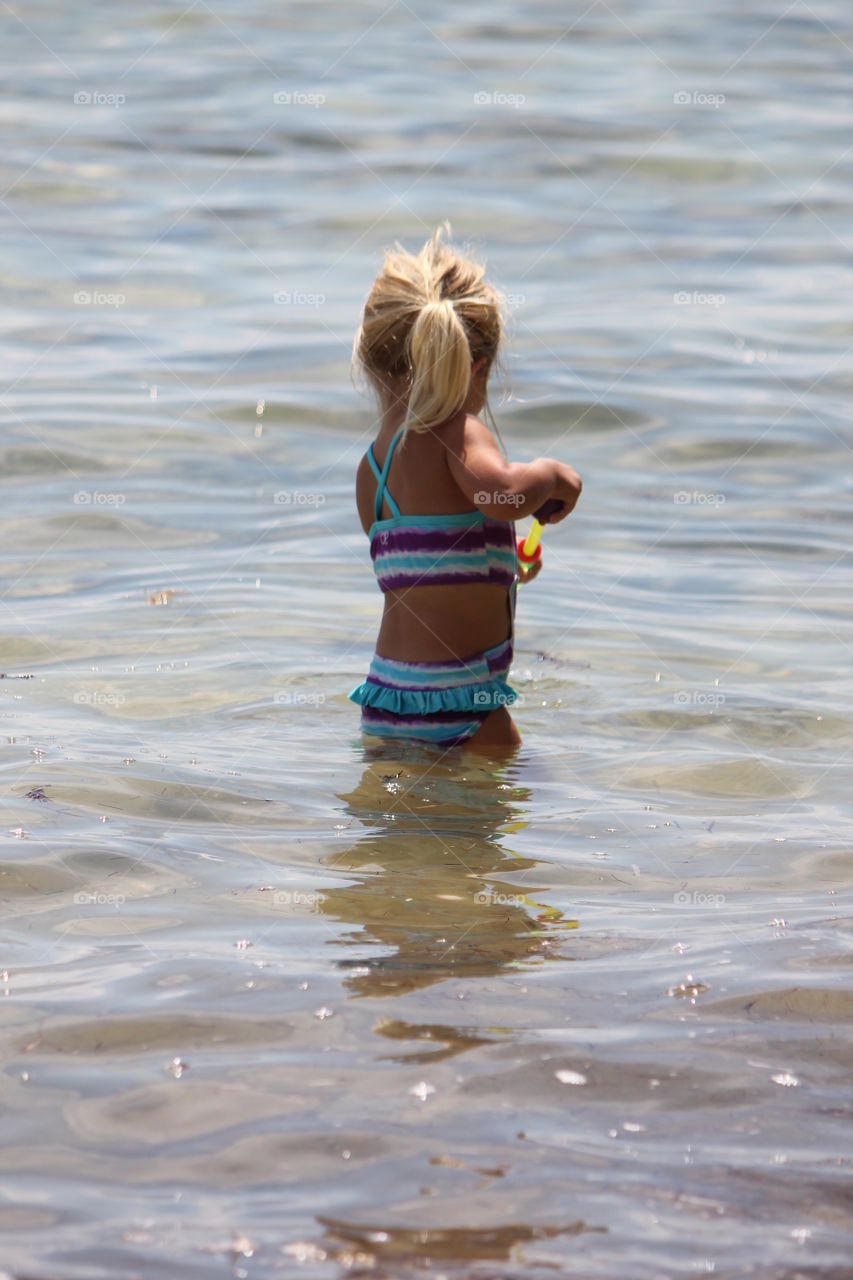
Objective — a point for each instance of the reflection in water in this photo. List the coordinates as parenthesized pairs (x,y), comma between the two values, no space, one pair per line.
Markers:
(448,1040)
(452,1244)
(430,883)
(434,882)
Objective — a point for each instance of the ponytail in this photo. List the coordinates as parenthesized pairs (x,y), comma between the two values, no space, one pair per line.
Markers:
(440,360)
(427,318)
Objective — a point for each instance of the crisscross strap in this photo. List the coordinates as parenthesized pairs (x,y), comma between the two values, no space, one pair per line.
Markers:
(382,478)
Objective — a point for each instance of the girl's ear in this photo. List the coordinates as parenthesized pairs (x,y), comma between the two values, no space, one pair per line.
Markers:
(476,365)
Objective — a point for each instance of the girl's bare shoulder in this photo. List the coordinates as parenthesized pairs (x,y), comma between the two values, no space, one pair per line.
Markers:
(467,431)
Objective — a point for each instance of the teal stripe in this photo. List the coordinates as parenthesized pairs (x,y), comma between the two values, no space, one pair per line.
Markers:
(476,674)
(425,732)
(459,520)
(426,561)
(466,562)
(450,668)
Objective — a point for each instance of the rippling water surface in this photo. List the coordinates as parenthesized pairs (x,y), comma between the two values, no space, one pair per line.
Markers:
(270,1006)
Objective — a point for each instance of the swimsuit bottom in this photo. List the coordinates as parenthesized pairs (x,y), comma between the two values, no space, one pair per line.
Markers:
(439,703)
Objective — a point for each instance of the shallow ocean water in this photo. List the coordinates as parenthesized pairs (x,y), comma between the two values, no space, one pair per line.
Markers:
(275,1005)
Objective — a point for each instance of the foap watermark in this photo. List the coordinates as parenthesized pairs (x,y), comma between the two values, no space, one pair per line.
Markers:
(698,498)
(96,498)
(97,98)
(482,498)
(99,698)
(94,898)
(698,698)
(695,298)
(298,498)
(697,898)
(698,98)
(498,899)
(96,298)
(488,699)
(515,299)
(298,98)
(499,99)
(297,898)
(298,698)
(296,298)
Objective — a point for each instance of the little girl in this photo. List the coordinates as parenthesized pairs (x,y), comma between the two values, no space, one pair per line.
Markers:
(438,502)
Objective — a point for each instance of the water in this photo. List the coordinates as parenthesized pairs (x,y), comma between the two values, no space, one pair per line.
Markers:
(272,1006)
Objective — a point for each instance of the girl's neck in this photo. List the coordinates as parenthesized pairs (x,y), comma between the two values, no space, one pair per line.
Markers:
(393,400)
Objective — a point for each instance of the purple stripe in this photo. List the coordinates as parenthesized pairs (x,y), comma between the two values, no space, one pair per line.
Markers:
(454,666)
(501,660)
(375,716)
(499,657)
(502,536)
(426,540)
(412,539)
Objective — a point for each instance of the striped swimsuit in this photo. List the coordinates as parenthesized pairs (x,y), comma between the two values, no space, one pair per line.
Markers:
(441,703)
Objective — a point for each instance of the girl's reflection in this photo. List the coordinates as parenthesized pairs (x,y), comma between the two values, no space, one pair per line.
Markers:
(429,881)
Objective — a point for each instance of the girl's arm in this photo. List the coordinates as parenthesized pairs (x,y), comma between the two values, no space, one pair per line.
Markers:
(506,490)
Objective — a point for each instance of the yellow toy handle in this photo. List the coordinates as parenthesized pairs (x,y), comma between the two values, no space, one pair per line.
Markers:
(531,542)
(528,548)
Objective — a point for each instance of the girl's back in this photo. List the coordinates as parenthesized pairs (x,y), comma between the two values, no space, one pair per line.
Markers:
(429,622)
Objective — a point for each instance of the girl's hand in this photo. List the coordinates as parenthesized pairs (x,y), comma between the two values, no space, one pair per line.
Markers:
(567,491)
(527,572)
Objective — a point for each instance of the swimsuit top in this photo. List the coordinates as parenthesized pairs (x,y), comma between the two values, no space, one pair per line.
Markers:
(411,551)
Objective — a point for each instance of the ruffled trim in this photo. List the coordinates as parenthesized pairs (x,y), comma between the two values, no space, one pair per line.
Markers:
(470,697)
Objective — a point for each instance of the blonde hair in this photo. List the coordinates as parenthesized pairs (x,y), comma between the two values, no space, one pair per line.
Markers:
(427,318)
